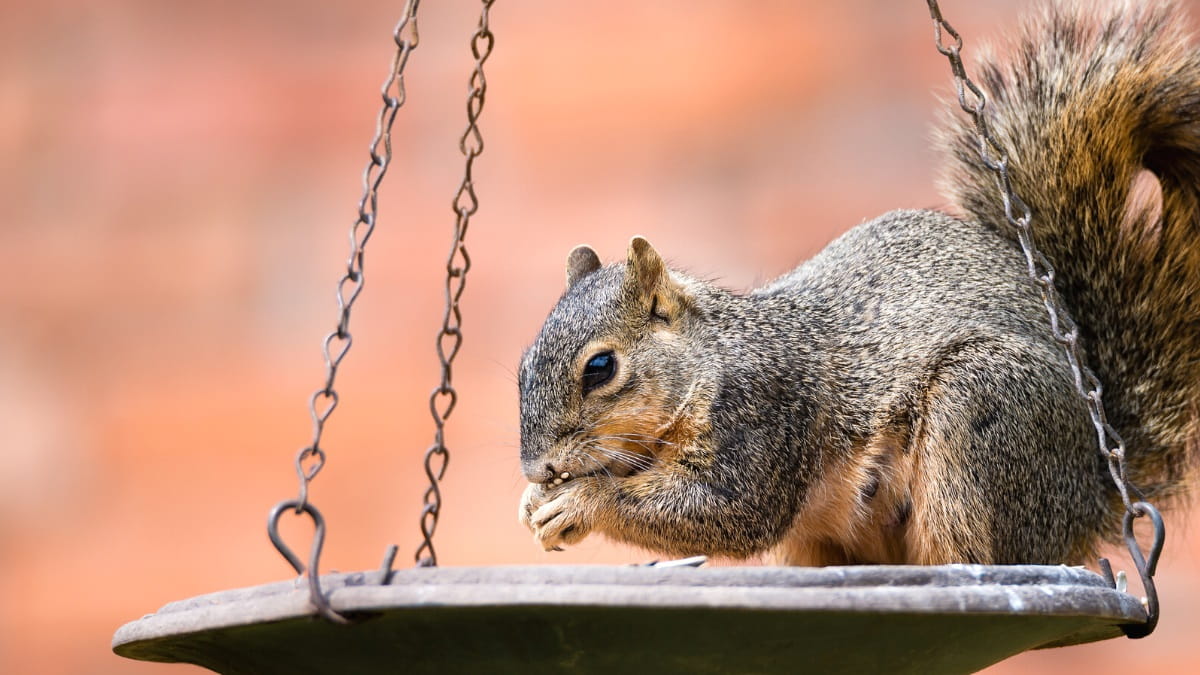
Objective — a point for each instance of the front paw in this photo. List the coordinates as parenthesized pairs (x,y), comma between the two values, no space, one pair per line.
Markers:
(558,515)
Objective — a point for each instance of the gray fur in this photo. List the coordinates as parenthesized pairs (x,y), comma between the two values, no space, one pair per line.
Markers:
(916,326)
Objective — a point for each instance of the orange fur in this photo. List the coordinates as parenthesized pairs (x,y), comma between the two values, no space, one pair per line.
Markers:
(840,524)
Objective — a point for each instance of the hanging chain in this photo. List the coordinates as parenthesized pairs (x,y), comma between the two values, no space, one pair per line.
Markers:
(311,459)
(972,100)
(449,339)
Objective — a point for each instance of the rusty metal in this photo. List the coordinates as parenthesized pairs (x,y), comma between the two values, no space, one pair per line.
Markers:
(1065,331)
(449,339)
(311,459)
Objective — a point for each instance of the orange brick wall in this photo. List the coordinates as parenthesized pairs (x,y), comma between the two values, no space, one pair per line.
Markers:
(176,179)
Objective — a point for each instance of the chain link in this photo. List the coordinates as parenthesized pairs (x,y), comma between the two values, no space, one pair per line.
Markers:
(1065,331)
(311,459)
(449,339)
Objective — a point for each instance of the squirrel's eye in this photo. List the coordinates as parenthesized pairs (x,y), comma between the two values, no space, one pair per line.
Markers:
(599,369)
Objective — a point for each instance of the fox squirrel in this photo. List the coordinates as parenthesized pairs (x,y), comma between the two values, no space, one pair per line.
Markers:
(899,397)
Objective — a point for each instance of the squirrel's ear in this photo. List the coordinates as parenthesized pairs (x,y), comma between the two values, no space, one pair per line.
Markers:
(646,268)
(581,261)
(647,275)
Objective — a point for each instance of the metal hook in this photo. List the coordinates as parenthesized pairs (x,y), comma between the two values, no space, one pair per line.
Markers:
(1145,567)
(317,598)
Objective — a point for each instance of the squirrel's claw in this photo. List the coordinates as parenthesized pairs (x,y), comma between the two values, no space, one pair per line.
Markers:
(557,516)
(531,499)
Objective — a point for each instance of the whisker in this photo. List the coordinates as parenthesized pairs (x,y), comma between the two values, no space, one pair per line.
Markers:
(629,459)
(617,461)
(683,404)
(636,437)
(623,452)
(601,466)
(645,445)
(507,368)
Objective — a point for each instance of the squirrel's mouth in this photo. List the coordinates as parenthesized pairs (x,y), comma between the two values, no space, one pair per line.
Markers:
(607,471)
(605,460)
(602,453)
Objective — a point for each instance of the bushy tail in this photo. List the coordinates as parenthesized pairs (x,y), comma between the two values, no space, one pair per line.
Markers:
(1098,108)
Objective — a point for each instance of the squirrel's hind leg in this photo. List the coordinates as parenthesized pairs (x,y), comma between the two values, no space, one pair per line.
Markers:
(1005,471)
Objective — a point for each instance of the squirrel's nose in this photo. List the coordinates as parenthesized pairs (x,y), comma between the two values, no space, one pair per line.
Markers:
(538,472)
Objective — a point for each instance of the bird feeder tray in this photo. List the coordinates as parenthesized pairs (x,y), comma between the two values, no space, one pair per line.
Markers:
(601,619)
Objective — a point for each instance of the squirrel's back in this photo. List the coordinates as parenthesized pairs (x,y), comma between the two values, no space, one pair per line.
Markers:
(1098,106)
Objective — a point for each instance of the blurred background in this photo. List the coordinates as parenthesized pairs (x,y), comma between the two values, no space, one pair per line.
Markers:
(176,182)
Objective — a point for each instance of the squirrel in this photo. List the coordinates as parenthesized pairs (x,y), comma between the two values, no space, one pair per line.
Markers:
(899,397)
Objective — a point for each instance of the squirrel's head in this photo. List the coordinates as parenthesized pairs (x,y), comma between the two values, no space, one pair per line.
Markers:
(608,385)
